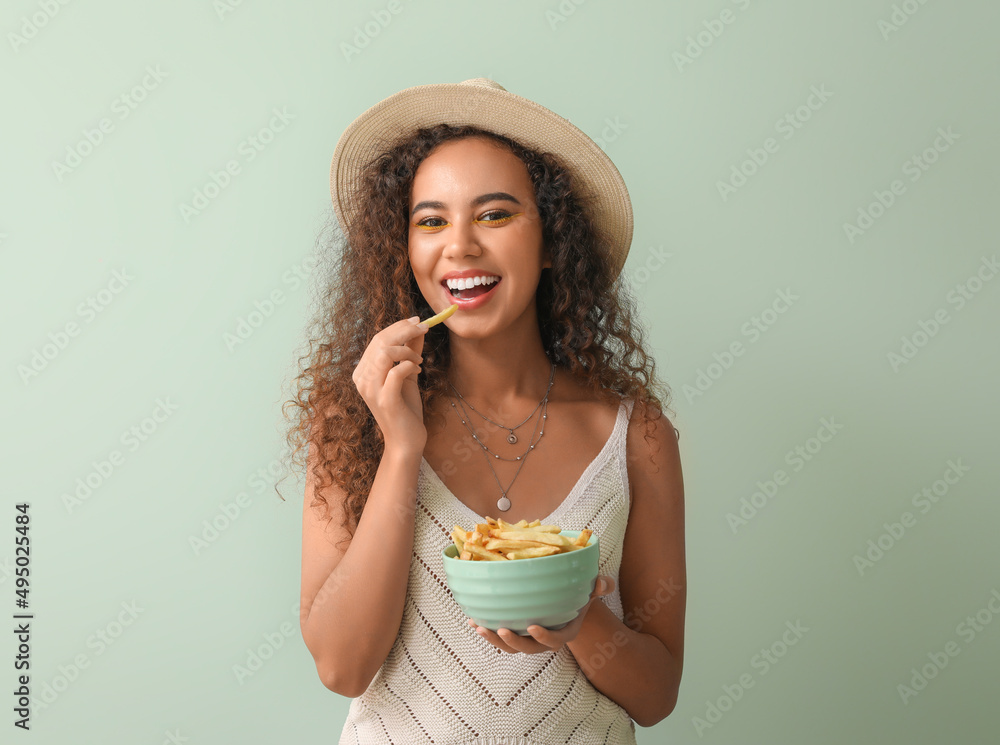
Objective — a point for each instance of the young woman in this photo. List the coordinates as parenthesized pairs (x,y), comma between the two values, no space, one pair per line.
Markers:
(534,400)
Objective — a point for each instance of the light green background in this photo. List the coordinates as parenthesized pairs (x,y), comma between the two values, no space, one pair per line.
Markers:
(680,132)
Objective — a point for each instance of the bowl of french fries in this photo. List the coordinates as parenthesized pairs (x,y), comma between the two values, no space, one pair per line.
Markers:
(515,575)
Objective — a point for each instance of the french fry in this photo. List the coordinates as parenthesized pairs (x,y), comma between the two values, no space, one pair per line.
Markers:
(482,553)
(499,543)
(552,539)
(504,525)
(442,316)
(583,538)
(459,536)
(533,553)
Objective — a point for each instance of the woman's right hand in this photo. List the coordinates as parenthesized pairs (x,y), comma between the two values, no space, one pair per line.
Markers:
(390,389)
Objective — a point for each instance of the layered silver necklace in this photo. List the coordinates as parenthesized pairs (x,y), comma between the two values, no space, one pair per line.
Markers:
(503,504)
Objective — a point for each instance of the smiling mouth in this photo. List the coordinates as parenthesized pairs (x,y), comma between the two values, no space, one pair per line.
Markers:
(473,292)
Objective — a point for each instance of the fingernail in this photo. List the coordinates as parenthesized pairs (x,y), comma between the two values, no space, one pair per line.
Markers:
(414,319)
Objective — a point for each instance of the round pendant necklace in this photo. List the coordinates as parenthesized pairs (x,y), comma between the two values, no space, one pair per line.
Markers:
(503,503)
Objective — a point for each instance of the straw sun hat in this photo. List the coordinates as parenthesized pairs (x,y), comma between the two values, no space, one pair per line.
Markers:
(484,103)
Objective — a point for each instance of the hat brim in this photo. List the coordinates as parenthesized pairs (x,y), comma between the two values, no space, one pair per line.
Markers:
(496,110)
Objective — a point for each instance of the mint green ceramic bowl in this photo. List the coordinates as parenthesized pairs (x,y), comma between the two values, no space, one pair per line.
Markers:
(548,591)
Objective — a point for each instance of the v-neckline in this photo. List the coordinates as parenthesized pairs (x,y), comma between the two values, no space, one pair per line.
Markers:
(569,499)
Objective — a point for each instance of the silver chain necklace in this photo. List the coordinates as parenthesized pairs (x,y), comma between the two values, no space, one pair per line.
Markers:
(511,437)
(531,446)
(503,504)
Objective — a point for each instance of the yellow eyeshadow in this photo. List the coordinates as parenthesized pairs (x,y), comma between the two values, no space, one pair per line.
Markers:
(499,221)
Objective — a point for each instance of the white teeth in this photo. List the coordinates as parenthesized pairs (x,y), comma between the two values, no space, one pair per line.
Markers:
(465,283)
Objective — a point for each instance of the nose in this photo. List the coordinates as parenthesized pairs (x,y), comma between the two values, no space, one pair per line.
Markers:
(462,240)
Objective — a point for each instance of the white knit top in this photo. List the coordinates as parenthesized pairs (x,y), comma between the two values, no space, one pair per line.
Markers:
(443,683)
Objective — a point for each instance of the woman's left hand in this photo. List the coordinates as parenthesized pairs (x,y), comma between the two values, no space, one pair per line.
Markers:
(543,639)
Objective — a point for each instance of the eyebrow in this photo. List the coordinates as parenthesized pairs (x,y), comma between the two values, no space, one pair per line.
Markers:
(481,199)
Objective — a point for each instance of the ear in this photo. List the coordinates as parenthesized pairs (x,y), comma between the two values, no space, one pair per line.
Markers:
(546,257)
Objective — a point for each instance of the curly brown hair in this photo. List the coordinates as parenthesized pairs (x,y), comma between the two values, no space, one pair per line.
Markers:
(585,314)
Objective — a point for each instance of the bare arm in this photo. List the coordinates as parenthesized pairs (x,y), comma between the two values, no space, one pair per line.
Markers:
(354,590)
(352,600)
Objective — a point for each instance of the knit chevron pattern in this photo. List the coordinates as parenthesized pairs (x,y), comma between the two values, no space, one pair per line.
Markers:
(442,683)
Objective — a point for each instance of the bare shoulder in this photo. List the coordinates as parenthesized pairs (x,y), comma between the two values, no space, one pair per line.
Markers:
(649,449)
